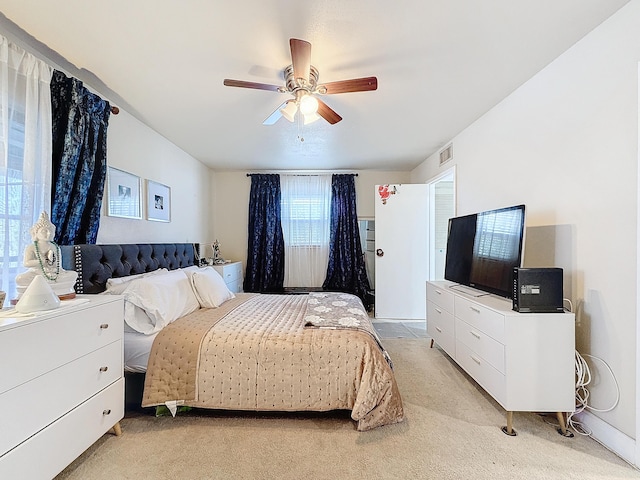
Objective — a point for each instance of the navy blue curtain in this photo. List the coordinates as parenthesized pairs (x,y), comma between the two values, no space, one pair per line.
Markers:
(346,271)
(265,250)
(80,121)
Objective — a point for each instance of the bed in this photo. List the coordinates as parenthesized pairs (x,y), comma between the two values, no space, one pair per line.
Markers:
(201,346)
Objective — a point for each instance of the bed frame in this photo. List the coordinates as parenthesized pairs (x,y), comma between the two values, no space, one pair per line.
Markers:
(95,264)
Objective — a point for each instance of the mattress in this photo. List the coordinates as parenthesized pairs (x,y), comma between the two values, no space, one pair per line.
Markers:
(137,347)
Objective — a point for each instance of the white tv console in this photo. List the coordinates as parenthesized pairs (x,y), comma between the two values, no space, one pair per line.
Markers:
(525,361)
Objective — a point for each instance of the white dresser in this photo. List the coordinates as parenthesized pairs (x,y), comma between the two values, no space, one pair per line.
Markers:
(61,384)
(232,274)
(525,361)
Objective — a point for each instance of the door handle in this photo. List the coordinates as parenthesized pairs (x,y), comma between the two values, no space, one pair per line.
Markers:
(380,252)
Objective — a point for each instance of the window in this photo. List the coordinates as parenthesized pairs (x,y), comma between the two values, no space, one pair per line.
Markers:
(305,213)
(11,199)
(306,216)
(25,154)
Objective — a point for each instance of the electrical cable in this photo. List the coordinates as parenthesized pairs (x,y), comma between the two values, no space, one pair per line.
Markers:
(583,379)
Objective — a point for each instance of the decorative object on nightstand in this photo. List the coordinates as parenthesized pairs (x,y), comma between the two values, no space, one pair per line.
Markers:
(38,296)
(43,259)
(217,256)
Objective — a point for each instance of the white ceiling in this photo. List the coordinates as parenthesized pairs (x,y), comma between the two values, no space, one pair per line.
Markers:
(440,65)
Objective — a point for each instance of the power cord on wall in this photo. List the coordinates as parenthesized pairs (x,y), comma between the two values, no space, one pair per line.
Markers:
(583,379)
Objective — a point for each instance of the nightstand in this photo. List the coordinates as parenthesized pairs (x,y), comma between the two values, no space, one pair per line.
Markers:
(232,275)
(61,384)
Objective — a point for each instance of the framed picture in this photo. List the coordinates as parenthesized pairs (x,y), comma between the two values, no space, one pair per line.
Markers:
(124,194)
(158,202)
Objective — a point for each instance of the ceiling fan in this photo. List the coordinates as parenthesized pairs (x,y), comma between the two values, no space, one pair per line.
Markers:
(301,81)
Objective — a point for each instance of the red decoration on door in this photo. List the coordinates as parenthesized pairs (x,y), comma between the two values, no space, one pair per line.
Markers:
(385,192)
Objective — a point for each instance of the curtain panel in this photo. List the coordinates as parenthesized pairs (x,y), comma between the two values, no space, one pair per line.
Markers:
(265,249)
(346,271)
(306,206)
(80,121)
(25,154)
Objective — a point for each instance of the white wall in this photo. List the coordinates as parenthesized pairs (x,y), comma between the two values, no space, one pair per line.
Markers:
(136,148)
(566,145)
(230,201)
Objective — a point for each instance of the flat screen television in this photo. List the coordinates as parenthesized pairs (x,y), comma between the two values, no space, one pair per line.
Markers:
(483,249)
(459,253)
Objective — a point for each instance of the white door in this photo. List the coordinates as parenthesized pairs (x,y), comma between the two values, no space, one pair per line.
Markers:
(442,206)
(402,250)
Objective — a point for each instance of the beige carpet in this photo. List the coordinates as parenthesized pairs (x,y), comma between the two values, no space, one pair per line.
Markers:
(452,431)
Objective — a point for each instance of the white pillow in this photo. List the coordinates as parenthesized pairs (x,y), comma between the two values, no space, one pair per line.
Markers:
(210,289)
(191,270)
(163,298)
(115,286)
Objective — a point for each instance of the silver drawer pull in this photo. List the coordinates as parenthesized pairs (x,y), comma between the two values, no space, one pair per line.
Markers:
(477,335)
(439,329)
(477,360)
(438,292)
(474,309)
(438,310)
(104,369)
(106,412)
(104,326)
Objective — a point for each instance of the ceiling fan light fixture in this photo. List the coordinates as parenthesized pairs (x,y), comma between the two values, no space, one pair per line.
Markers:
(308,105)
(301,81)
(310,118)
(289,111)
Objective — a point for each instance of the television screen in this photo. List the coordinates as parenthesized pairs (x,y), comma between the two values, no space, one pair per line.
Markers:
(459,255)
(483,249)
(497,249)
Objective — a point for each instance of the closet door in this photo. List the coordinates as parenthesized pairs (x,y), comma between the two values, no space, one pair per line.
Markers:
(402,250)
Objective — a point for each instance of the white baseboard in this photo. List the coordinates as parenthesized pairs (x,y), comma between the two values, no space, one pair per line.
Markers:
(610,437)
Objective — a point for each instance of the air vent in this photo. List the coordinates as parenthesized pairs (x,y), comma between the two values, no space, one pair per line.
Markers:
(446,154)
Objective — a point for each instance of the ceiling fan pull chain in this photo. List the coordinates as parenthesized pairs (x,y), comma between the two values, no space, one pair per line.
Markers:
(300,128)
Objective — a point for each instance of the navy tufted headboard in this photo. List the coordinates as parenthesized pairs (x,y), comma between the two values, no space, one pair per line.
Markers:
(95,264)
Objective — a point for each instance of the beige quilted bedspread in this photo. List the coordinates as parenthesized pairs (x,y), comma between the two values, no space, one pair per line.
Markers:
(255,353)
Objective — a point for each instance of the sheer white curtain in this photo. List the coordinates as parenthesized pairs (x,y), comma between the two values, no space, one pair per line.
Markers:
(25,154)
(306,208)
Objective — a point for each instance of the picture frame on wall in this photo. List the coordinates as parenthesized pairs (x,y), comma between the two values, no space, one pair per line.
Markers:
(158,202)
(124,194)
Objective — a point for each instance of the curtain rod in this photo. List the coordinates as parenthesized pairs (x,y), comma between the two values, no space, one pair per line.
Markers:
(303,174)
(19,37)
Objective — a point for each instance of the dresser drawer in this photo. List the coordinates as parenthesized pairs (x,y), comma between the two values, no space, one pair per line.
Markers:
(483,345)
(482,372)
(234,286)
(41,346)
(440,325)
(28,408)
(480,317)
(230,272)
(440,296)
(49,451)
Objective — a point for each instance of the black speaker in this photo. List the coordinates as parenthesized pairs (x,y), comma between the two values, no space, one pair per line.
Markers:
(537,290)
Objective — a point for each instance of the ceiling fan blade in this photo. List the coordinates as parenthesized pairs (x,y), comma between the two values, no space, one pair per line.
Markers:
(276,115)
(327,113)
(258,86)
(353,85)
(300,58)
